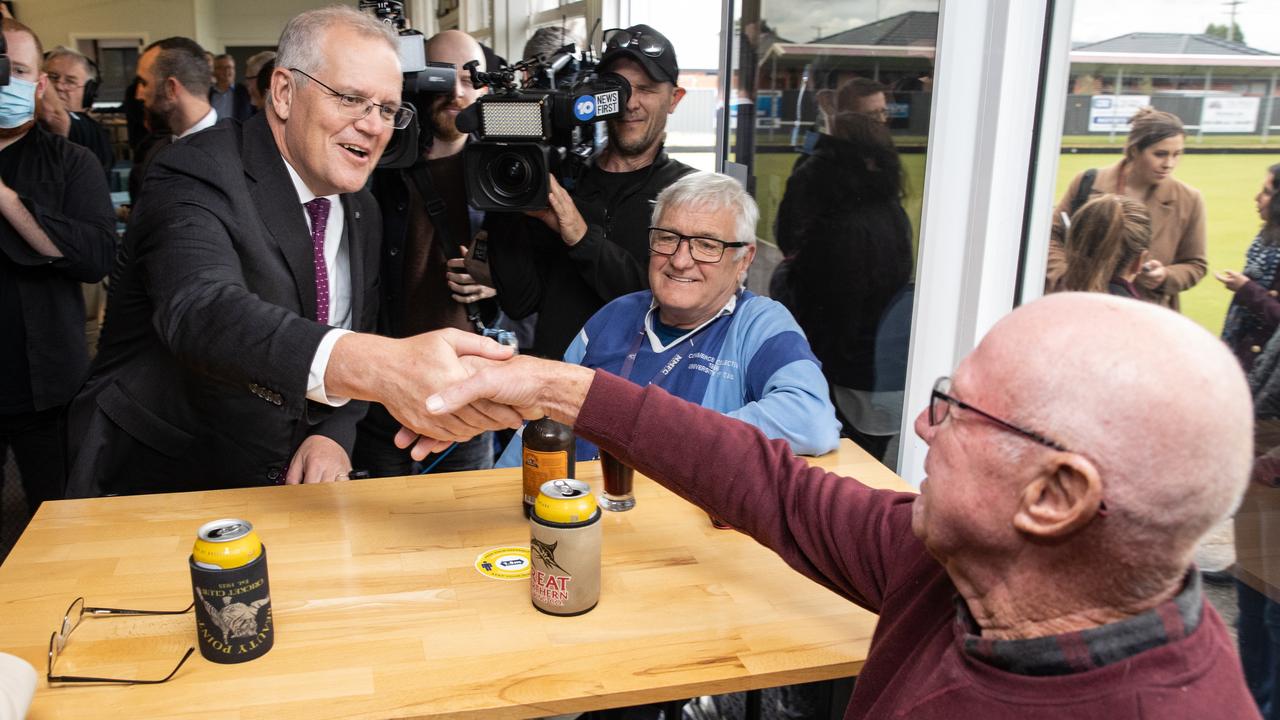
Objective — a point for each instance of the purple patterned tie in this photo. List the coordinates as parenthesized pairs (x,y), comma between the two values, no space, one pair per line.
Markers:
(318,209)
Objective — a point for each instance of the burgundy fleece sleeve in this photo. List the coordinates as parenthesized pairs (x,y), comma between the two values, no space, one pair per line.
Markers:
(835,530)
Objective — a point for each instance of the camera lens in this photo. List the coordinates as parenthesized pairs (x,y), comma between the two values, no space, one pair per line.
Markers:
(510,174)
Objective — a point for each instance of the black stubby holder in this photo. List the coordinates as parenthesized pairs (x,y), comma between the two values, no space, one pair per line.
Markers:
(233,611)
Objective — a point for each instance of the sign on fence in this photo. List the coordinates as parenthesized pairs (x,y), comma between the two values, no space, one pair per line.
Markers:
(1113,112)
(1229,115)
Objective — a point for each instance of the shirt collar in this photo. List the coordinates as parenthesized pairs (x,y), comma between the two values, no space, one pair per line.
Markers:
(304,193)
(203,123)
(656,343)
(1084,650)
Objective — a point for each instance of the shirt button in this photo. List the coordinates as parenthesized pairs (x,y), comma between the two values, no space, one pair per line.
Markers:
(273,474)
(1255,349)
(394,252)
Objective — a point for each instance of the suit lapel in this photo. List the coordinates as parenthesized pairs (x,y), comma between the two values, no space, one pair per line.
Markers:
(353,233)
(280,208)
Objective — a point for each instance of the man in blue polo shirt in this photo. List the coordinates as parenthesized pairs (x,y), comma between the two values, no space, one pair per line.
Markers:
(699,334)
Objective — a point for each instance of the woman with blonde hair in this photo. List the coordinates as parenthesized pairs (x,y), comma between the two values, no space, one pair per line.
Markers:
(1107,245)
(1177,253)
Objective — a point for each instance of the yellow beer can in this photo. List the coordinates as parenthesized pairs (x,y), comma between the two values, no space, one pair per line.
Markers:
(226,544)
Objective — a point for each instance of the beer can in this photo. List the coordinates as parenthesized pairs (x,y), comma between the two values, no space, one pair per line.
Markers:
(564,547)
(232,593)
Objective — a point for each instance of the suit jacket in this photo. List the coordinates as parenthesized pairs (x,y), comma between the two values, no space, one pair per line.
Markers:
(201,373)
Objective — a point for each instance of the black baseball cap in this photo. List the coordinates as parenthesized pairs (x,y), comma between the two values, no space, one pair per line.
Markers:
(646,46)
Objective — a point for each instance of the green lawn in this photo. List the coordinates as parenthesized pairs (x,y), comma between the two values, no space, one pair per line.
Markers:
(1229,184)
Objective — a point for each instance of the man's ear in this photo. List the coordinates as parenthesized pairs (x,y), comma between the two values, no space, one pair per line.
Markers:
(281,91)
(676,94)
(1063,497)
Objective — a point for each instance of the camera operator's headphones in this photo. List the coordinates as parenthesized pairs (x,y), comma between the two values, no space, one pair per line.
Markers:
(92,84)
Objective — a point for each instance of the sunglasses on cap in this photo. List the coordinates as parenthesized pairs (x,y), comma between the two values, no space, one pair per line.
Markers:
(648,45)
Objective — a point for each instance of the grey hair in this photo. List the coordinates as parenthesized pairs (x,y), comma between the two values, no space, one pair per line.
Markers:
(546,40)
(64,51)
(302,42)
(255,62)
(714,191)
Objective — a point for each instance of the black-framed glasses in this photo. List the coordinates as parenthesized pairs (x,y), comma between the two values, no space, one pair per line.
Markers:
(71,620)
(702,249)
(940,407)
(358,107)
(649,45)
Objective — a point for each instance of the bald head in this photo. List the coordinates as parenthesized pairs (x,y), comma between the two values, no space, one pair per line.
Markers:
(1155,402)
(455,46)
(459,48)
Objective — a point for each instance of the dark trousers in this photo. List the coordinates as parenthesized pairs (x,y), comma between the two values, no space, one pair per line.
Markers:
(39,446)
(1258,630)
(376,451)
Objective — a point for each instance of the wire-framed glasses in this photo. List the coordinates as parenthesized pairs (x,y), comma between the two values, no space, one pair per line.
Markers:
(357,107)
(940,407)
(702,249)
(71,620)
(649,45)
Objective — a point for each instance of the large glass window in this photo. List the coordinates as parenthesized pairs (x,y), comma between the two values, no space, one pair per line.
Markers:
(1171,116)
(829,123)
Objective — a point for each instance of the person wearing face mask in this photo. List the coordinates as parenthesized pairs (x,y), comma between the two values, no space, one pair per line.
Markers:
(1177,259)
(57,230)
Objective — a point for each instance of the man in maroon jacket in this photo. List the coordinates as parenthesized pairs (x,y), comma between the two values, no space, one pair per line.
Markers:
(1045,570)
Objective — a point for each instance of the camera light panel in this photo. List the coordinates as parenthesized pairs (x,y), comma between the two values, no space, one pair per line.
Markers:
(517,119)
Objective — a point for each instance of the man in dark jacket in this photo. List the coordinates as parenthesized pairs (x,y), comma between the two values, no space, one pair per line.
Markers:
(228,97)
(233,341)
(57,230)
(597,248)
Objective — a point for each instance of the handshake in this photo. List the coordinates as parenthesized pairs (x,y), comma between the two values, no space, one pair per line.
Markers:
(448,385)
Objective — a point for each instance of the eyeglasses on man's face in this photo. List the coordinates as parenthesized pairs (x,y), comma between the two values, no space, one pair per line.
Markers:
(701,249)
(649,45)
(358,107)
(940,407)
(71,620)
(65,81)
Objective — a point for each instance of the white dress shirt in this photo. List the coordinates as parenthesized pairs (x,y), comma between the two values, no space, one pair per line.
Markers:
(337,259)
(203,123)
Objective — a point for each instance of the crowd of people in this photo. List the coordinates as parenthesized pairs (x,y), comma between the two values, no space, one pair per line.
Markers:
(282,310)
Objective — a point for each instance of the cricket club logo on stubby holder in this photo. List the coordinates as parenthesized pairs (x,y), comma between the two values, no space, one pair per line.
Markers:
(233,596)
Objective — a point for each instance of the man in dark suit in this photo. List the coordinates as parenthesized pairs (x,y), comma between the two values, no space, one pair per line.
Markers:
(227,357)
(228,97)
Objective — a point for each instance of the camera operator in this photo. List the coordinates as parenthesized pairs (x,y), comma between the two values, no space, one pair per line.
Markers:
(57,231)
(422,289)
(592,244)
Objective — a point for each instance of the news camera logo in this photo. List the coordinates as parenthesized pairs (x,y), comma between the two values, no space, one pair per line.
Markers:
(584,108)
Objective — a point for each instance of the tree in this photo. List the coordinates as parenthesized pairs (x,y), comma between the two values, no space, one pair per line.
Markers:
(1234,34)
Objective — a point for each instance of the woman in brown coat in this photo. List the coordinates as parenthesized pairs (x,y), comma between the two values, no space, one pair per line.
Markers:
(1177,254)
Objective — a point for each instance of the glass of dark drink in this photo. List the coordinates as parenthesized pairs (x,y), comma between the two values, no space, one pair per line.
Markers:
(617,495)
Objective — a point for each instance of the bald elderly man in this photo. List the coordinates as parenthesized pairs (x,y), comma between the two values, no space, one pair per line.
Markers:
(1045,569)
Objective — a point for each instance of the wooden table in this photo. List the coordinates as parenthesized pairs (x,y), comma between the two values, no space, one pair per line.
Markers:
(380,612)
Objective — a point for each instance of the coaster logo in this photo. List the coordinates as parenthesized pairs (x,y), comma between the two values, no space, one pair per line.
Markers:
(584,108)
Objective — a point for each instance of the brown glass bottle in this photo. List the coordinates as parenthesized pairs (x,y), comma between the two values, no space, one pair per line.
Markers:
(549,449)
